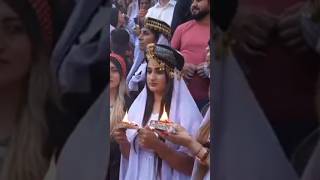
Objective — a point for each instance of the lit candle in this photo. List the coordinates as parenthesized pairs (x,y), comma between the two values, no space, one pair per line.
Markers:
(125,118)
(164,116)
(126,121)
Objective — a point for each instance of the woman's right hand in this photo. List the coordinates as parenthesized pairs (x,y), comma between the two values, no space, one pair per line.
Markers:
(119,135)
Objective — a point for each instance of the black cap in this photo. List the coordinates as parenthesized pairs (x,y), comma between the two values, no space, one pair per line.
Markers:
(166,54)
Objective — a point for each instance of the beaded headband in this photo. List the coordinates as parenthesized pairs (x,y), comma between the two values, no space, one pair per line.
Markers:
(159,26)
(167,58)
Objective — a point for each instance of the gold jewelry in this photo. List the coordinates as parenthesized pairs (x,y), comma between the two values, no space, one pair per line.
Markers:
(158,25)
(151,56)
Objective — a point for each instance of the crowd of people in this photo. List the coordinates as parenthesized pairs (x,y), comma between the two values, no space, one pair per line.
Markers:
(157,70)
(53,88)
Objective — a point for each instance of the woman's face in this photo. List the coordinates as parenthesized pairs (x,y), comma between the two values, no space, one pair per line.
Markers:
(114,76)
(144,4)
(121,19)
(15,47)
(146,37)
(156,78)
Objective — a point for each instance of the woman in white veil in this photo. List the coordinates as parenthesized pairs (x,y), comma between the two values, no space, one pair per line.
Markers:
(159,32)
(144,155)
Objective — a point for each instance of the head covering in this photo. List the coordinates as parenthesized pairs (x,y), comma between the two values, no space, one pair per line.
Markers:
(158,26)
(165,56)
(183,110)
(120,60)
(36,14)
(138,70)
(44,15)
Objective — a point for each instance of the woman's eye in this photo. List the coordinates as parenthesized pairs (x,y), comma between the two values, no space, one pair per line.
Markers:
(149,71)
(114,70)
(160,70)
(14,28)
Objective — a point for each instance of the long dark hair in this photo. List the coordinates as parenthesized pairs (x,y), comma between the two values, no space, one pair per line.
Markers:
(165,101)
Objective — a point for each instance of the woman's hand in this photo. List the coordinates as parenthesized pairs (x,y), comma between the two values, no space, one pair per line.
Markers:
(202,70)
(181,137)
(148,138)
(119,135)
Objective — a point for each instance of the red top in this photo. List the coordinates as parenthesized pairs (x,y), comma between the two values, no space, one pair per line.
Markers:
(191,39)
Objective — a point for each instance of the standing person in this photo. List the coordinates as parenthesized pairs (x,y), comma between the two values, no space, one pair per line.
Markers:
(144,5)
(162,10)
(25,89)
(137,22)
(118,108)
(194,49)
(144,156)
(153,31)
(118,18)
(119,44)
(181,13)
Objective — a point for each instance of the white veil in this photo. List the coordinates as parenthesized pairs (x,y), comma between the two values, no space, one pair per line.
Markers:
(183,110)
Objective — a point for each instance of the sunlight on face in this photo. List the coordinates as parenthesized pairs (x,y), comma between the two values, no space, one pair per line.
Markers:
(156,78)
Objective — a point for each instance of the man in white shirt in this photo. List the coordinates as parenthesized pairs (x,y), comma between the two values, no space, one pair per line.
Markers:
(162,10)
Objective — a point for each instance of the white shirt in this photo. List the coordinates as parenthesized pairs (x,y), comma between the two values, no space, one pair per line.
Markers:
(134,9)
(164,13)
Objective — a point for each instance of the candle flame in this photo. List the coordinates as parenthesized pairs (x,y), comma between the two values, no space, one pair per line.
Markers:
(125,118)
(164,116)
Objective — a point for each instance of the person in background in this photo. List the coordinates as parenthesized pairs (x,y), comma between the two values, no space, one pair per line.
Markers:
(118,108)
(194,49)
(162,10)
(26,89)
(118,18)
(153,31)
(120,44)
(181,13)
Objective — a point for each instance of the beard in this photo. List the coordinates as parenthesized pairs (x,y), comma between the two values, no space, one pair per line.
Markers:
(200,15)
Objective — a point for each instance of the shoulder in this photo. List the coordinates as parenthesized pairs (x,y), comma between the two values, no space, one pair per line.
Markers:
(186,25)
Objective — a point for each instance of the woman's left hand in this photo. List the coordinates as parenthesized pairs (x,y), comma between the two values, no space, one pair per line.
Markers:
(148,138)
(181,137)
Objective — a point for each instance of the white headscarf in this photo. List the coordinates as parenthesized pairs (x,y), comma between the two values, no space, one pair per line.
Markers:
(184,111)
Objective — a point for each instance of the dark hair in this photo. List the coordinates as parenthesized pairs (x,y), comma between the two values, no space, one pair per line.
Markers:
(223,13)
(165,101)
(118,66)
(156,34)
(140,1)
(120,41)
(114,17)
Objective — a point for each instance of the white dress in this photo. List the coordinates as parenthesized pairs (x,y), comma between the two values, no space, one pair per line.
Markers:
(142,163)
(147,166)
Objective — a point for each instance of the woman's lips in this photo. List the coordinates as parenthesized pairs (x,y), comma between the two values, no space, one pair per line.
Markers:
(153,84)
